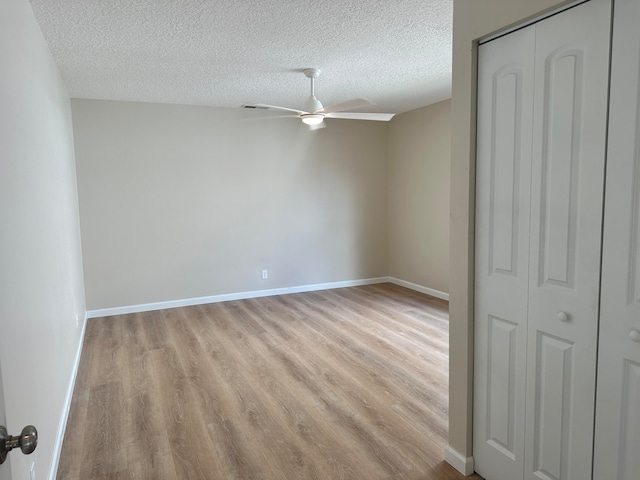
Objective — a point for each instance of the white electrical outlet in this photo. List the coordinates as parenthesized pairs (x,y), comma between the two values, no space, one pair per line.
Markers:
(265,274)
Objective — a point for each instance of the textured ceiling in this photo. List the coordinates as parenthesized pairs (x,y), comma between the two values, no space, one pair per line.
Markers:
(224,53)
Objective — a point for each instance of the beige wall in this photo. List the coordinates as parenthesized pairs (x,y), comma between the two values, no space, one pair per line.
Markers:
(419,167)
(178,202)
(472,19)
(41,290)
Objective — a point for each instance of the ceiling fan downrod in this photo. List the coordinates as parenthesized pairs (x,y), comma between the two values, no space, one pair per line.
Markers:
(312,105)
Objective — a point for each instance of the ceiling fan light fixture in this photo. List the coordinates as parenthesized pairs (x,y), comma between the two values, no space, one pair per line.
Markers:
(312,118)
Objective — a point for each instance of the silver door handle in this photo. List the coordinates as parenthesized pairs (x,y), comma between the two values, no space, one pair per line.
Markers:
(563,316)
(27,441)
(634,335)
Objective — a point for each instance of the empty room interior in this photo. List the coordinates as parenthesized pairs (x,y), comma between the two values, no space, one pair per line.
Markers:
(278,240)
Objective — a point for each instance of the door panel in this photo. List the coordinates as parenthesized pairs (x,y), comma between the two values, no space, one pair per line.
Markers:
(617,440)
(629,459)
(501,383)
(560,167)
(552,412)
(503,170)
(569,138)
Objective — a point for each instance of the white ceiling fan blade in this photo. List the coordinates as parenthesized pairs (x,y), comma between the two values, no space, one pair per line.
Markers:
(348,105)
(381,117)
(275,107)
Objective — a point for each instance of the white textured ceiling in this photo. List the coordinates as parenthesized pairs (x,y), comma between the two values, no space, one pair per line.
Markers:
(224,53)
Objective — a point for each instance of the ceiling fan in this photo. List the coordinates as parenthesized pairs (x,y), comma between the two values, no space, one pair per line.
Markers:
(314,112)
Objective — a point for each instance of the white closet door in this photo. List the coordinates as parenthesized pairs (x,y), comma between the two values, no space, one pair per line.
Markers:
(617,446)
(503,177)
(570,113)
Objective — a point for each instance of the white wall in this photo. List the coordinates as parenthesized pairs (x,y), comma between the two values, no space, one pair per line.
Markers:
(178,202)
(418,175)
(41,288)
(472,19)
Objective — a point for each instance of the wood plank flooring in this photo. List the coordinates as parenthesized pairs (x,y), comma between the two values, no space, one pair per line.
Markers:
(338,384)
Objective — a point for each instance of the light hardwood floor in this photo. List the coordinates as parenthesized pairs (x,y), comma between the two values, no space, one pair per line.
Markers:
(338,384)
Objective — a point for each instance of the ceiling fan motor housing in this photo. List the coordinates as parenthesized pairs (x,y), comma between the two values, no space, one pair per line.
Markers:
(312,104)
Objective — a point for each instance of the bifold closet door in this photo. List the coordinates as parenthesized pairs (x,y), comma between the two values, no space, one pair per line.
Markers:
(568,163)
(542,109)
(503,177)
(617,438)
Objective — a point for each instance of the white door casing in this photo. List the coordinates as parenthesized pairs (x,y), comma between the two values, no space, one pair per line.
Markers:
(503,173)
(617,438)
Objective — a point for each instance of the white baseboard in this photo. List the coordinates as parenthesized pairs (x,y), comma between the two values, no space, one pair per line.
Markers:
(419,288)
(458,461)
(187,302)
(62,425)
(147,307)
